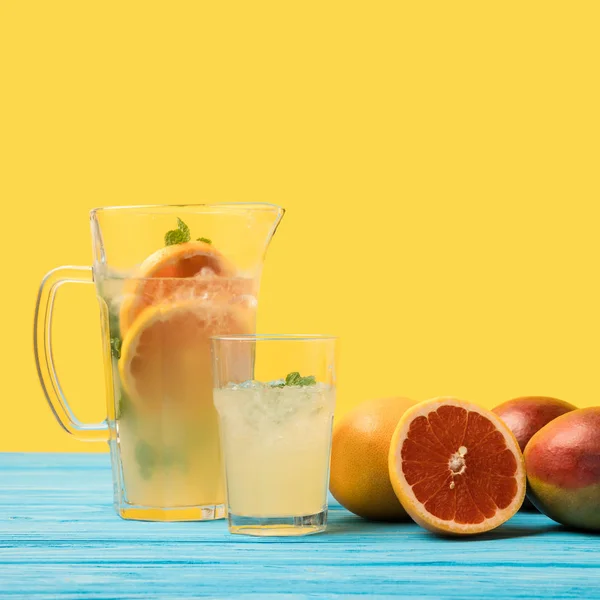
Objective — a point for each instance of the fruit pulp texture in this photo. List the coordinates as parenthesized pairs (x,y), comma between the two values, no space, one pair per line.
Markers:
(458,465)
(276,445)
(169,450)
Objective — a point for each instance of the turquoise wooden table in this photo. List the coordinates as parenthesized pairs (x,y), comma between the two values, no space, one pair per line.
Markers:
(60,539)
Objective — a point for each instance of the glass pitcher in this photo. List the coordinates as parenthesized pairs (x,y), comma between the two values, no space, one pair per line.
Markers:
(167,278)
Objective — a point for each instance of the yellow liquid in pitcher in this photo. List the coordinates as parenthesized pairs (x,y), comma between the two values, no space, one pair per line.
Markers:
(163,416)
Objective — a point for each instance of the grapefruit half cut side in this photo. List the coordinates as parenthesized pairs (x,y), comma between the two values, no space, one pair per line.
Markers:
(456,468)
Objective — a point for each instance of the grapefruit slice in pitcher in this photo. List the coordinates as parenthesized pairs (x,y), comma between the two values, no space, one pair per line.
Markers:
(174,273)
(165,359)
(455,467)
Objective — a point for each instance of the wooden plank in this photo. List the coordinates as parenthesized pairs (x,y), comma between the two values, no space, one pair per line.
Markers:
(60,538)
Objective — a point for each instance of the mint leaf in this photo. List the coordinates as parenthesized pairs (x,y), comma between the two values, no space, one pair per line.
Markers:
(115,347)
(179,235)
(310,380)
(294,378)
(123,406)
(184,229)
(174,237)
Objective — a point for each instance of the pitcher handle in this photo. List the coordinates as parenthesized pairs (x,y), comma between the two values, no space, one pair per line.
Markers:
(44,359)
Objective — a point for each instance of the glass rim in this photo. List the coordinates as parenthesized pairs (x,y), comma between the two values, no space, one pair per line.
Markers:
(266,206)
(274,337)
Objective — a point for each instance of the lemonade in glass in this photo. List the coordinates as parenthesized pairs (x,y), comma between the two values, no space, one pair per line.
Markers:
(275,435)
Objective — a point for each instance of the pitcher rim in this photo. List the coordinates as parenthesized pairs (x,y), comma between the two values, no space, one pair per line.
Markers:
(136,207)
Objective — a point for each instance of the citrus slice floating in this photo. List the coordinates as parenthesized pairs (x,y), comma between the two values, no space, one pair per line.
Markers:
(165,357)
(455,467)
(173,273)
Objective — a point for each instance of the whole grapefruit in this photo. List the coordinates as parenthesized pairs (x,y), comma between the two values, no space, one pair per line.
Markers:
(563,469)
(360,478)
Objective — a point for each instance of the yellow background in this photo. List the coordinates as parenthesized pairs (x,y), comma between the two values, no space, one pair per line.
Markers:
(439,162)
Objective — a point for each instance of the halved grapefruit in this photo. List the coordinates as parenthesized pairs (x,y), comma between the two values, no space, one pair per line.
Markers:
(165,357)
(455,467)
(171,274)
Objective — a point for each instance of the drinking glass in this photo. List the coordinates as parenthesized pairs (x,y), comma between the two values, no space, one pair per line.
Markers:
(275,397)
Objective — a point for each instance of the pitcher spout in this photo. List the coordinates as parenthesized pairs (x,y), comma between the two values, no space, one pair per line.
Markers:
(263,221)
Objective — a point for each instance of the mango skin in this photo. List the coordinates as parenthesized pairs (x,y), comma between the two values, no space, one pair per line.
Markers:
(526,415)
(563,469)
